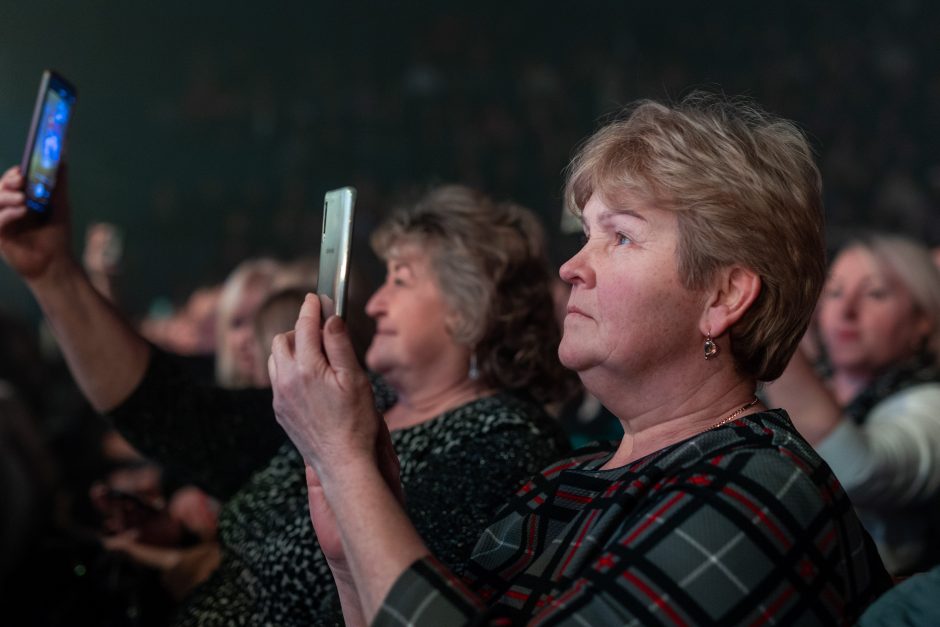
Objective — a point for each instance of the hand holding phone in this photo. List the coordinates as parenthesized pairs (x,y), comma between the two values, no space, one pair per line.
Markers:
(46,140)
(335,249)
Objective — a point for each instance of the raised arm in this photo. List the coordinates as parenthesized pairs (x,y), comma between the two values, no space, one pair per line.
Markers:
(812,407)
(104,353)
(889,461)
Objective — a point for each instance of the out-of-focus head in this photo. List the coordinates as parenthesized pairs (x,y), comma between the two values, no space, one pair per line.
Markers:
(487,262)
(300,273)
(880,305)
(745,190)
(277,314)
(236,348)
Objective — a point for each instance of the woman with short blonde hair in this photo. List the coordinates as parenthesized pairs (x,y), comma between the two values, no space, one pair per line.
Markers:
(875,418)
(702,262)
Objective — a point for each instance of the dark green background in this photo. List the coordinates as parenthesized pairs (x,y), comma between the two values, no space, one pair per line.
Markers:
(208,131)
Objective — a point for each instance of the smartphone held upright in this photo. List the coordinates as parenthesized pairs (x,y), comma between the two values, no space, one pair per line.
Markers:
(335,249)
(46,139)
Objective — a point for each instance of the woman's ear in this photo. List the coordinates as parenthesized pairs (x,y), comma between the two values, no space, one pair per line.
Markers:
(733,291)
(452,321)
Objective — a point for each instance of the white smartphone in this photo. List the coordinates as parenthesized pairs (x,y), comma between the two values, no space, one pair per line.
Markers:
(335,249)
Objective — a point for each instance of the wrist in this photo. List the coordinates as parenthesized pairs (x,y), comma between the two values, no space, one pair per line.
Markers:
(58,272)
(345,470)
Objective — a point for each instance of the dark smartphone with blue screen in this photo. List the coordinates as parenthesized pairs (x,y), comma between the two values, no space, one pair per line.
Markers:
(46,140)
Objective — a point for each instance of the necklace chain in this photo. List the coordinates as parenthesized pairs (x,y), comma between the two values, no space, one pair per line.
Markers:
(734,414)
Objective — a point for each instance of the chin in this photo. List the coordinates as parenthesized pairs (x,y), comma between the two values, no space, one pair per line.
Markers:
(573,358)
(840,360)
(377,362)
(373,364)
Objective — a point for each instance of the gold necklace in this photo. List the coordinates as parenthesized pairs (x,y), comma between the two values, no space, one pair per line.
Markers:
(734,414)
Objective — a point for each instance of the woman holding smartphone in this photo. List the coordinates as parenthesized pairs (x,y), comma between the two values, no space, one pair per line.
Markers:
(702,263)
(463,358)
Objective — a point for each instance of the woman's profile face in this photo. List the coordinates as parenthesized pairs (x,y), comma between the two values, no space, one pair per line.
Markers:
(628,312)
(411,317)
(867,318)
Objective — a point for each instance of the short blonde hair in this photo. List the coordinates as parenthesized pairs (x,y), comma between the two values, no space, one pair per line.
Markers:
(251,274)
(490,263)
(910,264)
(747,191)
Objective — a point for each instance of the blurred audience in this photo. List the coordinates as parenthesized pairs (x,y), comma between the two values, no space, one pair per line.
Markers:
(465,357)
(876,417)
(277,314)
(191,330)
(236,350)
(104,246)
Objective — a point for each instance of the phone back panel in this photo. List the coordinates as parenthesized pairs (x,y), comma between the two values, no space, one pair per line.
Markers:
(335,249)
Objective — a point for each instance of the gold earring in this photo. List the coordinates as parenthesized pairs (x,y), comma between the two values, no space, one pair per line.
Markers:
(711,349)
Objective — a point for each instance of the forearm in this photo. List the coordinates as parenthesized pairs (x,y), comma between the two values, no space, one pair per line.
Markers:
(106,356)
(811,406)
(349,601)
(378,539)
(891,460)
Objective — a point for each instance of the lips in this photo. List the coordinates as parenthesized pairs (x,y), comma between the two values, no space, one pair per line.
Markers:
(572,309)
(846,335)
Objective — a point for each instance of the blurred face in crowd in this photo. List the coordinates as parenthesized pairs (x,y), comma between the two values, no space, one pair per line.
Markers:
(628,312)
(411,317)
(239,330)
(867,318)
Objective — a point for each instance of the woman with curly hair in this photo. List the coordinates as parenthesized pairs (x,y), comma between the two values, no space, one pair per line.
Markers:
(464,357)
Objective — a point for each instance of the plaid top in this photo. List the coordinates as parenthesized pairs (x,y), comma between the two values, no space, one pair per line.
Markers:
(743,524)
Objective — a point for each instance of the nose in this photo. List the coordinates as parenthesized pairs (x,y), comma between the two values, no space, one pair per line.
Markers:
(848,306)
(578,270)
(376,305)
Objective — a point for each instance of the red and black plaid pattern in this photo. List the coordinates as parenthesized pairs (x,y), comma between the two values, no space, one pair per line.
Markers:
(742,525)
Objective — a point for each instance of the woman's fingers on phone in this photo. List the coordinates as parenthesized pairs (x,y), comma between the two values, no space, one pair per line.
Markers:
(11,192)
(309,334)
(12,178)
(12,201)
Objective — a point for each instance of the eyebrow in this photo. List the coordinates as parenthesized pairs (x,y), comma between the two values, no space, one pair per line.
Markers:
(608,215)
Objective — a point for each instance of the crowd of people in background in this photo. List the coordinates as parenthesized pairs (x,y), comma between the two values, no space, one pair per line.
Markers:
(244,144)
(143,534)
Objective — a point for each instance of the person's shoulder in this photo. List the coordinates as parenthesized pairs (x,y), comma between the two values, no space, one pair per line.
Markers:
(502,410)
(922,399)
(764,445)
(590,457)
(912,602)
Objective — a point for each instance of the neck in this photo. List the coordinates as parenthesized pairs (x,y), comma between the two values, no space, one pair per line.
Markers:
(847,384)
(421,403)
(653,420)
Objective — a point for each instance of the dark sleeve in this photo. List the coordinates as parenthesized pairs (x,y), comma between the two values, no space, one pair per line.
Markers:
(457,490)
(202,433)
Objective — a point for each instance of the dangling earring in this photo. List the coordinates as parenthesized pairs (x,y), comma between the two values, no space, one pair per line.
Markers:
(711,349)
(473,373)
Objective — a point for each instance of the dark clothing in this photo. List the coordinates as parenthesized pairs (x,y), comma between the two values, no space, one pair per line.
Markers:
(915,602)
(920,369)
(456,469)
(743,524)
